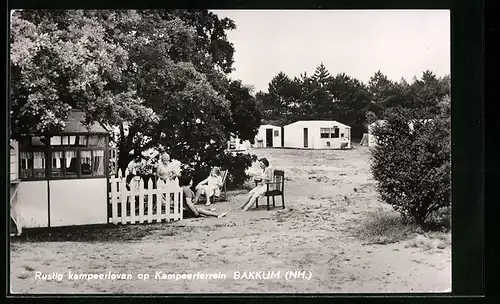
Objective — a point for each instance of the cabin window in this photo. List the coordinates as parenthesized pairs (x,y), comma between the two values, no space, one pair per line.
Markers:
(56,141)
(72,140)
(39,166)
(57,154)
(58,164)
(92,163)
(81,140)
(70,163)
(98,162)
(276,133)
(335,132)
(97,141)
(26,164)
(86,163)
(325,132)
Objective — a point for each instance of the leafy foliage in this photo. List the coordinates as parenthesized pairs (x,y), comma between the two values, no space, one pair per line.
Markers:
(346,99)
(411,163)
(159,76)
(237,164)
(65,59)
(245,111)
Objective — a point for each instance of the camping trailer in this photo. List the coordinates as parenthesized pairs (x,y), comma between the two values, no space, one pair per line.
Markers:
(61,179)
(317,134)
(269,136)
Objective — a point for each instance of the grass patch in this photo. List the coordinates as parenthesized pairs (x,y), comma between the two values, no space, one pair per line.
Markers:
(430,241)
(385,228)
(439,220)
(108,233)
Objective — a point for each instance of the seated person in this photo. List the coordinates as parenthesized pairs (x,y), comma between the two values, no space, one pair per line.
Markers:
(209,186)
(190,209)
(264,177)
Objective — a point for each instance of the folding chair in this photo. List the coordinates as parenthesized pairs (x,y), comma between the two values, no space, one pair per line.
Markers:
(223,191)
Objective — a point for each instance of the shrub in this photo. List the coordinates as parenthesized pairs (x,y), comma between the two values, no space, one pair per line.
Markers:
(236,165)
(412,164)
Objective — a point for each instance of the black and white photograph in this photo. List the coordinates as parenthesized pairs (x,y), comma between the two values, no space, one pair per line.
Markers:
(199,151)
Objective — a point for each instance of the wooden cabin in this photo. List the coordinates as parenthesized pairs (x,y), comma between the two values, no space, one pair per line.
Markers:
(61,179)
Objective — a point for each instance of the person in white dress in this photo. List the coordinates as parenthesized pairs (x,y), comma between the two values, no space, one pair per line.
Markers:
(209,186)
(163,171)
(166,177)
(265,176)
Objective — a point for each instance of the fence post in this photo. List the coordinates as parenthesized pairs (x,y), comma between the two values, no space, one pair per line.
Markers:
(114,200)
(175,193)
(159,192)
(141,202)
(124,194)
(149,193)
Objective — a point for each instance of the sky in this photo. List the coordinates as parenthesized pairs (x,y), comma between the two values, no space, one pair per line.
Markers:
(355,42)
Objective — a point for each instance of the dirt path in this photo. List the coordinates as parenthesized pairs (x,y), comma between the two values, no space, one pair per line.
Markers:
(328,196)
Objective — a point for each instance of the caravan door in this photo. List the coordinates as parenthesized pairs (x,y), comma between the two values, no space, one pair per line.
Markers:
(269,138)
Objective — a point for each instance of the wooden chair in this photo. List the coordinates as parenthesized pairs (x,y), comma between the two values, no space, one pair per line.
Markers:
(223,191)
(275,188)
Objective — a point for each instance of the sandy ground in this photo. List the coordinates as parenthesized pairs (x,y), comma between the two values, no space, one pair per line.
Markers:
(329,195)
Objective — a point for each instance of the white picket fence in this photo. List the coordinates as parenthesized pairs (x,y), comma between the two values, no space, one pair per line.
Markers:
(140,204)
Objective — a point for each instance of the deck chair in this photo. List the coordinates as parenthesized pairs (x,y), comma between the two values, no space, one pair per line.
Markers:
(223,191)
(275,188)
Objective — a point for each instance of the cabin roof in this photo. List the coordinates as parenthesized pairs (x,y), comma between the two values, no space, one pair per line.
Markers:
(74,125)
(317,122)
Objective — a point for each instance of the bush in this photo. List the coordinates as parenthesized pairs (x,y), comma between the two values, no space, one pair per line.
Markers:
(236,165)
(412,165)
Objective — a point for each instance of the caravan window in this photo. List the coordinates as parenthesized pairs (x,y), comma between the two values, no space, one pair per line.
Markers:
(325,133)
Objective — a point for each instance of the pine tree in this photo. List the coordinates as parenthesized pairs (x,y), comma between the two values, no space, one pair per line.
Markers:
(321,75)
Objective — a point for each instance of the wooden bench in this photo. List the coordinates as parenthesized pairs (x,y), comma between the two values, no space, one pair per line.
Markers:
(274,188)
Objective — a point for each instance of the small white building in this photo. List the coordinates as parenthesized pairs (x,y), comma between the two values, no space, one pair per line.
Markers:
(269,136)
(317,134)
